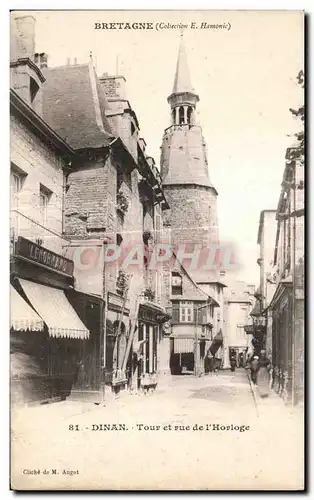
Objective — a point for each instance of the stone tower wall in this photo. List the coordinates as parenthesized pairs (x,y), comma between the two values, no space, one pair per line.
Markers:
(193,214)
(184,156)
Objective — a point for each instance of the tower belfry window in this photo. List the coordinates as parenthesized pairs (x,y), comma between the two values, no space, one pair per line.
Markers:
(189,115)
(181,115)
(174,117)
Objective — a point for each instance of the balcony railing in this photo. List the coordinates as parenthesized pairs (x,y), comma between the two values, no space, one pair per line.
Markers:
(22,225)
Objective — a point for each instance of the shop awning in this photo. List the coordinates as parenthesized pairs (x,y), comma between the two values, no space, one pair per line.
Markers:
(182,345)
(22,316)
(56,311)
(216,343)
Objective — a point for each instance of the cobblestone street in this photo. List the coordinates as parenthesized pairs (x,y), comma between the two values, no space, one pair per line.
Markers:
(190,422)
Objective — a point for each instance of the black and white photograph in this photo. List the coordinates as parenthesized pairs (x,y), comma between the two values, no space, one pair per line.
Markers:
(157,250)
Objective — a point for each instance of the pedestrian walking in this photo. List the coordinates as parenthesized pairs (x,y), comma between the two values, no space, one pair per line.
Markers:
(263,375)
(216,364)
(233,363)
(210,362)
(254,369)
(241,360)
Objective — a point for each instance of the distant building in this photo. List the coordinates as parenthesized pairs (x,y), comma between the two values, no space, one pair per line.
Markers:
(238,303)
(266,238)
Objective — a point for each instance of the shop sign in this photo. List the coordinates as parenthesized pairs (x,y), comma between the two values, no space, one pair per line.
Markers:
(115,302)
(41,256)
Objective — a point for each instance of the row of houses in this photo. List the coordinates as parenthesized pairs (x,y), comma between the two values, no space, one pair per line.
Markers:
(85,196)
(80,180)
(278,313)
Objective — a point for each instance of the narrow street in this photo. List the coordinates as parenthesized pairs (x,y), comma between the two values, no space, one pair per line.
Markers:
(180,424)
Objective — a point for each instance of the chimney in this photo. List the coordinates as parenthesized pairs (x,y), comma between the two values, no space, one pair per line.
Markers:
(75,60)
(142,144)
(26,79)
(22,36)
(68,61)
(114,86)
(41,60)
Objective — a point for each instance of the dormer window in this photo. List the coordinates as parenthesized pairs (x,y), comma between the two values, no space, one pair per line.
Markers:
(176,283)
(33,89)
(133,129)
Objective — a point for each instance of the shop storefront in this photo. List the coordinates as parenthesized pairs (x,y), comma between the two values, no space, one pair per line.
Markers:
(132,354)
(147,346)
(282,362)
(47,334)
(185,349)
(88,385)
(117,336)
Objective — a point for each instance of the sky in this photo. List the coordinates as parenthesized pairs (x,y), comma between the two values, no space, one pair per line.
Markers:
(245,78)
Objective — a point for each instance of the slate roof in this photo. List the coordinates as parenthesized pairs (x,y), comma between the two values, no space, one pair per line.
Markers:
(74,106)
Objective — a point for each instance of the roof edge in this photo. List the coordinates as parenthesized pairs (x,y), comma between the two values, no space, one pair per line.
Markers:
(32,117)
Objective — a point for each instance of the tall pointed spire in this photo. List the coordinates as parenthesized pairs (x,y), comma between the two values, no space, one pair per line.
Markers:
(183,93)
(182,81)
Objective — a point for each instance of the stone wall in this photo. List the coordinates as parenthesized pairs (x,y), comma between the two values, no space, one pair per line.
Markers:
(91,214)
(38,165)
(193,215)
(183,158)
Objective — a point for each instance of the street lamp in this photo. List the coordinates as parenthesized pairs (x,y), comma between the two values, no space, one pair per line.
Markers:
(196,350)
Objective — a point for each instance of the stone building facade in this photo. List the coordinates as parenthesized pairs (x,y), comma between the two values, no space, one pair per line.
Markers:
(267,282)
(44,345)
(287,305)
(113,216)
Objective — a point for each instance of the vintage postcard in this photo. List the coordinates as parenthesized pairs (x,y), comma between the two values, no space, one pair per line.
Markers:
(157,250)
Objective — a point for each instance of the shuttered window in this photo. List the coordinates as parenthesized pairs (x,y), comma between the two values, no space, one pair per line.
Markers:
(186,312)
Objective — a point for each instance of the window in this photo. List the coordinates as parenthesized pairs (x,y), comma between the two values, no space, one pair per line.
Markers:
(186,312)
(158,235)
(44,196)
(133,129)
(15,187)
(240,332)
(158,280)
(174,116)
(176,284)
(119,239)
(284,241)
(288,262)
(123,177)
(189,115)
(181,115)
